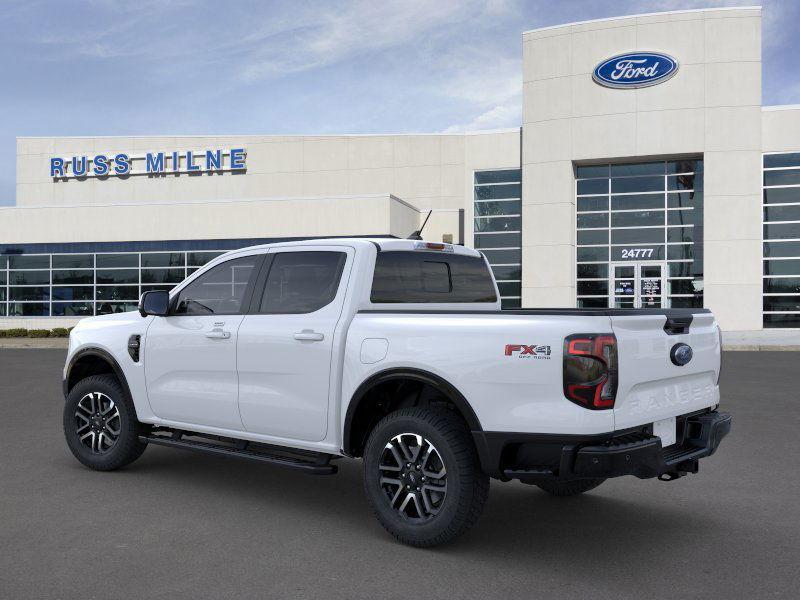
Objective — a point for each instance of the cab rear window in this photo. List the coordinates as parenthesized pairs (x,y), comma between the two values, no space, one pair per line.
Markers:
(428,277)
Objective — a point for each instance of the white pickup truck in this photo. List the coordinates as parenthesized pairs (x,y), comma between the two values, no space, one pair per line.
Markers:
(395,351)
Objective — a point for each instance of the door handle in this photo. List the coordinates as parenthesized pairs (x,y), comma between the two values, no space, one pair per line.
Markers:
(309,335)
(216,334)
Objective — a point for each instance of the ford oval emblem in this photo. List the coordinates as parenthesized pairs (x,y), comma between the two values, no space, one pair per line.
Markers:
(635,70)
(681,354)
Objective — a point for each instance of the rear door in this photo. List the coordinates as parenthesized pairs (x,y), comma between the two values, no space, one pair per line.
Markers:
(285,344)
(651,387)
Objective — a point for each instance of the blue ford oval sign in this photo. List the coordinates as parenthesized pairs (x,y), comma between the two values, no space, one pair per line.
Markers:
(635,70)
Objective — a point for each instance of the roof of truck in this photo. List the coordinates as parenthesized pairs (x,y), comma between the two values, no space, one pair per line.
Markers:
(381,243)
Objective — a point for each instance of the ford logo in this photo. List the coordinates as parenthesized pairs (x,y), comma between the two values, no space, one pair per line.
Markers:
(681,354)
(635,70)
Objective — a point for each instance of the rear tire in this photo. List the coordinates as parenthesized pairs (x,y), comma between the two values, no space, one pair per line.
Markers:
(422,476)
(100,424)
(569,488)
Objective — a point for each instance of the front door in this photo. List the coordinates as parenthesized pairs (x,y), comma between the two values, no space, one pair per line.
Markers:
(637,285)
(190,355)
(286,342)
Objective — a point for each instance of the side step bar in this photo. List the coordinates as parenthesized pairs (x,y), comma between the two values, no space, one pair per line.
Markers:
(308,462)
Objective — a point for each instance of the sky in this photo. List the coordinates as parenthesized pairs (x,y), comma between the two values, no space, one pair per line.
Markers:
(174,67)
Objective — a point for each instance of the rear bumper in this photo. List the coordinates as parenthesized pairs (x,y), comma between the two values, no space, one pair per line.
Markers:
(533,457)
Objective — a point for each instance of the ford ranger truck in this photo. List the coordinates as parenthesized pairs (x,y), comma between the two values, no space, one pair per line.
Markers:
(396,352)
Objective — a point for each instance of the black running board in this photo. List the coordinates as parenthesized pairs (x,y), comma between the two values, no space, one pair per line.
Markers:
(312,463)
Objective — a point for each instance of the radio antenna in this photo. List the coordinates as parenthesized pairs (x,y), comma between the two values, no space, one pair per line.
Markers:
(417,235)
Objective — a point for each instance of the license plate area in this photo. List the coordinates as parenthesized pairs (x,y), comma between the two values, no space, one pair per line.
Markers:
(667,430)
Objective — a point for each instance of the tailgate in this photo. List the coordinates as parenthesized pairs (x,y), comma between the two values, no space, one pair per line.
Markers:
(651,387)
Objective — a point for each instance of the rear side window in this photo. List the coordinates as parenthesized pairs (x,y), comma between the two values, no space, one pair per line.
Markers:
(431,277)
(302,282)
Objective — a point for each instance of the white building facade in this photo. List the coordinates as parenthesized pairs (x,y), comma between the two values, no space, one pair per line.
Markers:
(646,172)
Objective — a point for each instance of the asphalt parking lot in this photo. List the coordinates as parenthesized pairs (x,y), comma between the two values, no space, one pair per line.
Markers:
(183,525)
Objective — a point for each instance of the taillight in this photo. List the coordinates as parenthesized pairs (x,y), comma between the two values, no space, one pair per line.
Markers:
(590,370)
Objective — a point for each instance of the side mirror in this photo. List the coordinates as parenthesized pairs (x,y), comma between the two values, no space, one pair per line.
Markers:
(154,303)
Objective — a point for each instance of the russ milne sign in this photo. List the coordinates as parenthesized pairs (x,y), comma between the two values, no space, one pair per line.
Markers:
(151,163)
(635,70)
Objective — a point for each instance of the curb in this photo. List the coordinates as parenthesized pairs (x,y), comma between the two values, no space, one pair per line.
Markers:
(40,343)
(759,348)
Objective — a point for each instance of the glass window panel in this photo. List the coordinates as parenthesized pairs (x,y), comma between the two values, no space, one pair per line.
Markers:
(29,277)
(695,301)
(782,231)
(592,271)
(592,186)
(3,309)
(164,259)
(593,288)
(3,262)
(782,267)
(678,252)
(73,292)
(498,240)
(504,207)
(684,182)
(28,309)
(782,213)
(505,273)
(648,168)
(150,288)
(684,166)
(22,261)
(191,270)
(624,271)
(782,249)
(637,202)
(680,234)
(73,309)
(498,224)
(782,285)
(593,220)
(198,259)
(592,302)
(162,275)
(498,176)
(29,293)
(684,286)
(117,275)
(684,199)
(637,236)
(73,277)
(107,308)
(494,192)
(590,254)
(684,217)
(789,159)
(680,269)
(509,288)
(219,290)
(782,195)
(117,292)
(2,277)
(591,171)
(788,177)
(786,320)
(73,261)
(782,303)
(117,260)
(592,236)
(2,294)
(584,204)
(637,184)
(502,257)
(510,303)
(637,219)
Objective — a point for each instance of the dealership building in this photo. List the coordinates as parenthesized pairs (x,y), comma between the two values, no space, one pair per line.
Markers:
(645,172)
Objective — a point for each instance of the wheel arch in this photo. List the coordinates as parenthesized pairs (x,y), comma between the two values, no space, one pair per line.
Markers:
(93,361)
(361,399)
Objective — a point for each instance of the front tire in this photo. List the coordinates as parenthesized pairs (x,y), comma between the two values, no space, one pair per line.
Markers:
(100,424)
(569,488)
(422,476)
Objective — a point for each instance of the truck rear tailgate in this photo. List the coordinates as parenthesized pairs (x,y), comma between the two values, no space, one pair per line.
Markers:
(653,388)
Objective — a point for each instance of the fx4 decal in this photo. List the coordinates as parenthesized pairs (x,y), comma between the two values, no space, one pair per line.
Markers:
(528,351)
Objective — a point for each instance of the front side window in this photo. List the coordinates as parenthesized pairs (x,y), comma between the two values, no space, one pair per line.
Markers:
(431,277)
(220,290)
(302,282)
